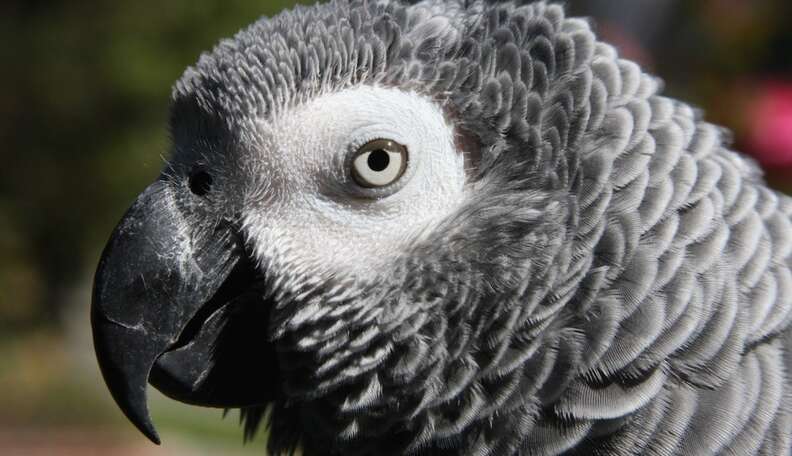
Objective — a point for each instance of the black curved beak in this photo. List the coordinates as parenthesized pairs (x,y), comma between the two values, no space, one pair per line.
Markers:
(176,303)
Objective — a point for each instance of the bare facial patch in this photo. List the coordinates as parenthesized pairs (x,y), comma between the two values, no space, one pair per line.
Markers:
(321,212)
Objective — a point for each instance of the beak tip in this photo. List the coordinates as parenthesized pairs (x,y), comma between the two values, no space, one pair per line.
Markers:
(126,371)
(142,421)
(145,426)
(152,435)
(138,414)
(136,411)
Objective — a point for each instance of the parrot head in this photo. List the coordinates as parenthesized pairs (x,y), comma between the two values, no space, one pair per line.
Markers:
(362,201)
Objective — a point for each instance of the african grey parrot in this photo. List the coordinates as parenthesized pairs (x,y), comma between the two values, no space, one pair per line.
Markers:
(451,227)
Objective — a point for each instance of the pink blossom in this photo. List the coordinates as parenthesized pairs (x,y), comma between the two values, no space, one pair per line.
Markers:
(770,125)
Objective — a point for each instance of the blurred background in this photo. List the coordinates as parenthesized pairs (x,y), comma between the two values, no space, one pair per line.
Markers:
(83,107)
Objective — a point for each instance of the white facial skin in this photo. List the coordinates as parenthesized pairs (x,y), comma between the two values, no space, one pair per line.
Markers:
(315,213)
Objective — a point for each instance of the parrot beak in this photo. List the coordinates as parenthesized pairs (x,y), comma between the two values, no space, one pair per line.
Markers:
(180,307)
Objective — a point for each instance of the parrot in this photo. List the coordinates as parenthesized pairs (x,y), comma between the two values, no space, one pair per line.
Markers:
(450,227)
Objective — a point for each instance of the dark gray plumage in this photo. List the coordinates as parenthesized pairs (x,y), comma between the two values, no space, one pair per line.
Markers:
(614,281)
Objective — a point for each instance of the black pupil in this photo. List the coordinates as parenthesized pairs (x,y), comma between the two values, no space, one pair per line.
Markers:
(378,160)
(200,183)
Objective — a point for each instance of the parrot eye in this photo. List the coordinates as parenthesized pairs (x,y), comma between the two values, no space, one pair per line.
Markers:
(379,163)
(200,183)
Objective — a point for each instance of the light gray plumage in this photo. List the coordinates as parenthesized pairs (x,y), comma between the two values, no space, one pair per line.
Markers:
(615,280)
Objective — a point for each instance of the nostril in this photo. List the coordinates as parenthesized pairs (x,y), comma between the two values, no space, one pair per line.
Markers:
(200,183)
